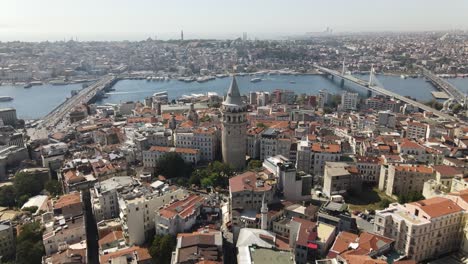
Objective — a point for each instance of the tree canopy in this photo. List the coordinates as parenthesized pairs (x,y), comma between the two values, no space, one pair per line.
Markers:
(29,247)
(254,164)
(162,247)
(171,165)
(24,187)
(53,187)
(410,197)
(215,175)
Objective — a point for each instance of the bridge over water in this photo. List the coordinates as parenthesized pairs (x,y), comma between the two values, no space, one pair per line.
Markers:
(379,90)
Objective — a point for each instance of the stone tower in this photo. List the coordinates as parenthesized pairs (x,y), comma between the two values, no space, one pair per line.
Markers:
(234,128)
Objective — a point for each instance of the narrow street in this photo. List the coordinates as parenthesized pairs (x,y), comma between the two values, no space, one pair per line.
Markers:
(91,231)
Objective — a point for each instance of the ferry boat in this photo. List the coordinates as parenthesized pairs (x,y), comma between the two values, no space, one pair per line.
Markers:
(6,98)
(255,80)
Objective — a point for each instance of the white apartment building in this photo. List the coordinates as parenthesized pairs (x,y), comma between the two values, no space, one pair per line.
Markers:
(104,196)
(422,230)
(417,130)
(296,186)
(340,177)
(178,217)
(151,156)
(65,225)
(206,140)
(349,101)
(311,157)
(138,209)
(8,115)
(369,168)
(403,179)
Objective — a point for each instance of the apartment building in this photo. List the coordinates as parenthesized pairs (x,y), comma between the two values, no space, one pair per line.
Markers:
(402,179)
(138,208)
(340,178)
(424,229)
(65,225)
(349,101)
(104,196)
(200,246)
(151,156)
(179,216)
(206,140)
(416,130)
(311,157)
(369,168)
(246,193)
(8,116)
(253,142)
(295,186)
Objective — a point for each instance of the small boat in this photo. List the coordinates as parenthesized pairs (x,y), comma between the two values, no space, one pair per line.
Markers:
(28,85)
(292,82)
(403,76)
(6,98)
(255,80)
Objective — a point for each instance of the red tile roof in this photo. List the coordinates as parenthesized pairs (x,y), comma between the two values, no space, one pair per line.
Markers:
(437,206)
(184,208)
(142,253)
(246,181)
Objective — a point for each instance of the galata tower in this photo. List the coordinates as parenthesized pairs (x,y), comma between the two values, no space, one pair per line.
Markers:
(234,128)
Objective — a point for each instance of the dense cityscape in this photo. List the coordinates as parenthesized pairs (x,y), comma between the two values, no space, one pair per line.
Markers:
(245,176)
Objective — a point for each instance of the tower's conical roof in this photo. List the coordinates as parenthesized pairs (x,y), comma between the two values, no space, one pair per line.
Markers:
(233,96)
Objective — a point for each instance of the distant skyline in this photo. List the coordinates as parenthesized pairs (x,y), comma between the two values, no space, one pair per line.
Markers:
(39,20)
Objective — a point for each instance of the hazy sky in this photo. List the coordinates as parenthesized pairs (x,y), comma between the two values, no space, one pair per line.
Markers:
(139,19)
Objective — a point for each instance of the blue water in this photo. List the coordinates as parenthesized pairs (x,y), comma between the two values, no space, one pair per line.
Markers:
(136,90)
(37,101)
(460,83)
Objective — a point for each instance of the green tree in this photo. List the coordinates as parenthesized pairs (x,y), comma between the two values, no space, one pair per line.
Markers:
(457,108)
(29,247)
(53,187)
(31,209)
(171,165)
(7,196)
(384,203)
(27,184)
(261,125)
(215,175)
(410,197)
(162,247)
(254,164)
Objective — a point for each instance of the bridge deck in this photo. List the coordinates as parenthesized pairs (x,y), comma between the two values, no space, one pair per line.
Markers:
(83,96)
(443,85)
(382,91)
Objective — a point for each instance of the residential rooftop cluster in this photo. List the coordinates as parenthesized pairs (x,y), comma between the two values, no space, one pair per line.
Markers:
(263,177)
(72,61)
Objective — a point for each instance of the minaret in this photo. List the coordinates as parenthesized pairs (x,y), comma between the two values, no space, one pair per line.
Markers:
(182,35)
(264,212)
(234,128)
